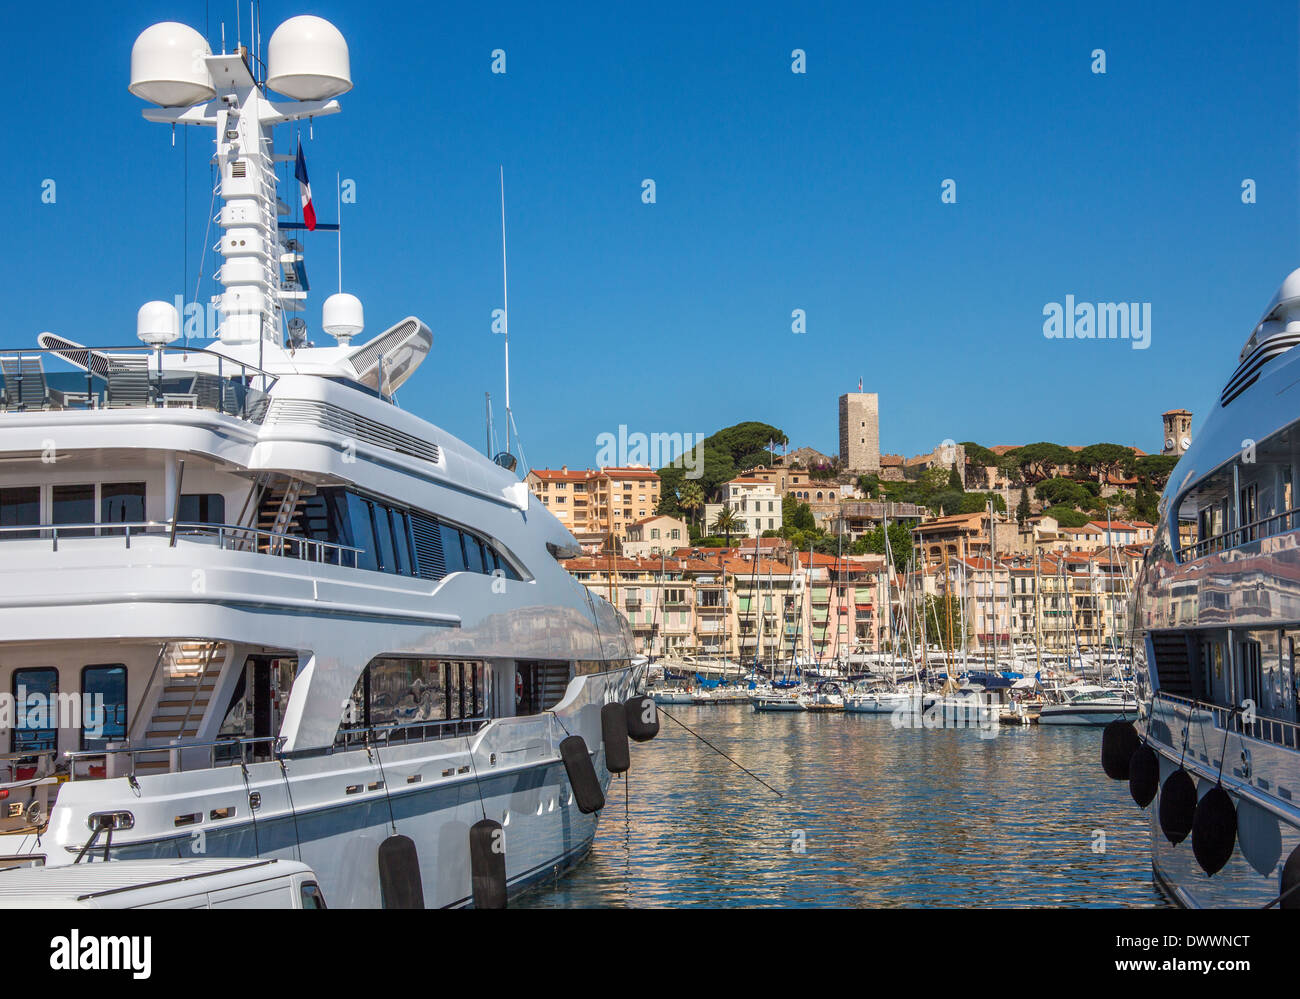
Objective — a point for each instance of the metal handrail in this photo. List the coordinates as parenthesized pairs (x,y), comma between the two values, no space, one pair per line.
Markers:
(1266,527)
(239,537)
(1275,730)
(362,734)
(179,747)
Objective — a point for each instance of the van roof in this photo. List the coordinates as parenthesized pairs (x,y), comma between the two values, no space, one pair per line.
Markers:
(73,884)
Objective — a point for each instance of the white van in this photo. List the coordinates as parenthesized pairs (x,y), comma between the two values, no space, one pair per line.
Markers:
(224,883)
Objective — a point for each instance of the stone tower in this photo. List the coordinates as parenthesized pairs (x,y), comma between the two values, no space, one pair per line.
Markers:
(1178,431)
(860,432)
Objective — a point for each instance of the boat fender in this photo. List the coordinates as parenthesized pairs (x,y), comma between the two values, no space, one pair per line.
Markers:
(642,718)
(399,874)
(1259,837)
(1290,880)
(582,775)
(1177,806)
(613,731)
(1144,775)
(1119,740)
(487,864)
(1214,830)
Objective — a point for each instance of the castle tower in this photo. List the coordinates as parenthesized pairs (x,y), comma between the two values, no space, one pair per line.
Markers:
(1178,431)
(860,432)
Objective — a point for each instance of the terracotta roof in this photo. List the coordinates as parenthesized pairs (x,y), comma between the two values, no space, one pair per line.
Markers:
(630,473)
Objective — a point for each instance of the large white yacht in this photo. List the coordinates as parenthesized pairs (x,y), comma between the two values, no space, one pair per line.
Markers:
(314,621)
(1216,625)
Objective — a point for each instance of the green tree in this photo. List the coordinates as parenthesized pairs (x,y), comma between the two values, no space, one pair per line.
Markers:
(943,621)
(954,480)
(727,522)
(1023,510)
(691,498)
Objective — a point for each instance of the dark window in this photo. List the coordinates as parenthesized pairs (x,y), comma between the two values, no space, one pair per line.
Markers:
(121,503)
(36,709)
(311,896)
(103,701)
(383,537)
(18,508)
(202,508)
(452,552)
(360,533)
(473,554)
(74,505)
(401,543)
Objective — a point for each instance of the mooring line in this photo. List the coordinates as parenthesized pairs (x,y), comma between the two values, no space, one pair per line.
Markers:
(722,754)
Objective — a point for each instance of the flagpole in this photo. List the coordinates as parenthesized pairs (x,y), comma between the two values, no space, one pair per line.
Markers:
(505,301)
(338,190)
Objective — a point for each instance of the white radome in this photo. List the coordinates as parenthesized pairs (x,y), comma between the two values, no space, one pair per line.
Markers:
(158,323)
(307,59)
(342,316)
(168,68)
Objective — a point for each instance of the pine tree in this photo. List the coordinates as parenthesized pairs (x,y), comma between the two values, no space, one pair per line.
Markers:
(1022,508)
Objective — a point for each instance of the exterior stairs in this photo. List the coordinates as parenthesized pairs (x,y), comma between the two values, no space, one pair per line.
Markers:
(192,670)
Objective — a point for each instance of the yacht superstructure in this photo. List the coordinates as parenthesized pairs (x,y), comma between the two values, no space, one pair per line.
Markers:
(1215,624)
(311,620)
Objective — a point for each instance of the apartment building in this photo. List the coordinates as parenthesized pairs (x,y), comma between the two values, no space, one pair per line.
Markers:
(597,505)
(755,503)
(655,535)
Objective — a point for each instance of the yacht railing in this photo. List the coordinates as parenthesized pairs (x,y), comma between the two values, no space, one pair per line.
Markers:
(1274,730)
(416,731)
(229,537)
(1267,527)
(221,752)
(132,377)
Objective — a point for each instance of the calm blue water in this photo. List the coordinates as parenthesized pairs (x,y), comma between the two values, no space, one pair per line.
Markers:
(886,817)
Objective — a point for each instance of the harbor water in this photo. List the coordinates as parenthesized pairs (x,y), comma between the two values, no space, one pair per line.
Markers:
(871,815)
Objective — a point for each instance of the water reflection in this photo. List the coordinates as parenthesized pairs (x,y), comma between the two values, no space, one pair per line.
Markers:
(872,816)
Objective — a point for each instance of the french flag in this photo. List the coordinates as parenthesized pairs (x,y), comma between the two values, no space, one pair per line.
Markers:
(304,189)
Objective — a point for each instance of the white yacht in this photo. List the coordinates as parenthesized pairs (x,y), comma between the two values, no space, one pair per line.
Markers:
(313,622)
(1216,625)
(1088,704)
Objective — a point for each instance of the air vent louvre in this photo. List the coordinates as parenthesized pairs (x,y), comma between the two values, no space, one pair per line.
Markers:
(428,548)
(350,425)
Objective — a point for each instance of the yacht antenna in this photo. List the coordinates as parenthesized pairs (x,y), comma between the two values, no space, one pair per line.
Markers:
(505,303)
(338,193)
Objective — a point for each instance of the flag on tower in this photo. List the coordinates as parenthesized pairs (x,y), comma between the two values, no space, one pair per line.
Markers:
(305,174)
(304,189)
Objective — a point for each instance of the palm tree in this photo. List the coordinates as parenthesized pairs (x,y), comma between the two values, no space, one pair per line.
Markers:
(691,499)
(726,522)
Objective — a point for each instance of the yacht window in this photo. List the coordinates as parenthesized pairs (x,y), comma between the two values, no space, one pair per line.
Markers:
(18,508)
(311,896)
(401,542)
(74,504)
(103,703)
(121,503)
(36,693)
(473,554)
(360,533)
(383,529)
(203,508)
(452,551)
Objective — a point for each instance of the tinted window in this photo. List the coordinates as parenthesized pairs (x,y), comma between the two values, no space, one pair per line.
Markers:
(361,535)
(311,896)
(74,505)
(452,552)
(103,699)
(19,507)
(383,537)
(202,508)
(473,554)
(401,542)
(35,699)
(121,503)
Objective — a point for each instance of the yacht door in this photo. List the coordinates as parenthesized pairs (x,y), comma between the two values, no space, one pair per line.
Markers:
(268,680)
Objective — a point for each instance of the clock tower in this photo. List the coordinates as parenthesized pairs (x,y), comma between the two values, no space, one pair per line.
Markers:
(1178,431)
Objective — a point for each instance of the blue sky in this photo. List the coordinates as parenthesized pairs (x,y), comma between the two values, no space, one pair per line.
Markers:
(775,192)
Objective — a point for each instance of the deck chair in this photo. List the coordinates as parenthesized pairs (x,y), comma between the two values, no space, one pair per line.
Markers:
(24,382)
(128,382)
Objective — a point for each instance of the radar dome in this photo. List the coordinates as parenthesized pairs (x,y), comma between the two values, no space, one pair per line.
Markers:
(167,66)
(342,317)
(307,59)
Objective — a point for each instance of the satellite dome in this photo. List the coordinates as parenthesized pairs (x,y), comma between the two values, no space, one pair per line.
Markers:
(342,317)
(167,66)
(307,59)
